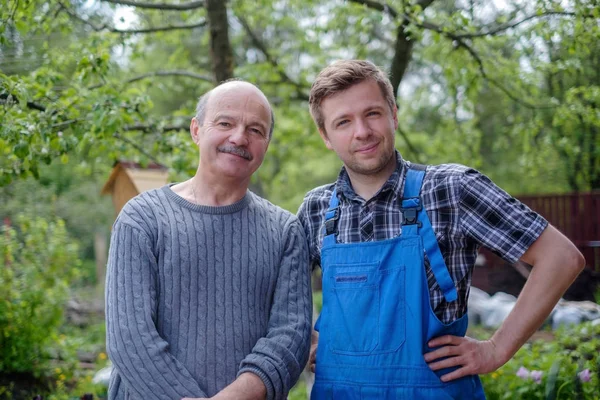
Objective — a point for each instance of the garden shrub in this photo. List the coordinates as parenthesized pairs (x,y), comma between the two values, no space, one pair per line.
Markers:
(38,261)
(564,368)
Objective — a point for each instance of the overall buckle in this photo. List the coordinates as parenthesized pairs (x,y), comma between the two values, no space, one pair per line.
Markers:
(410,215)
(331,223)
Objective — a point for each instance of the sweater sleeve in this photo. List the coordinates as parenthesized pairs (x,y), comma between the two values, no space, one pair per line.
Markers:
(141,357)
(279,357)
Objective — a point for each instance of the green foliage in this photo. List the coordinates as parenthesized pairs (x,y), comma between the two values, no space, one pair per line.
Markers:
(37,264)
(66,191)
(318,301)
(520,104)
(298,392)
(561,363)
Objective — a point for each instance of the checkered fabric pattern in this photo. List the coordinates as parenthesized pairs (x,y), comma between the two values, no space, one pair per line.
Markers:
(467,211)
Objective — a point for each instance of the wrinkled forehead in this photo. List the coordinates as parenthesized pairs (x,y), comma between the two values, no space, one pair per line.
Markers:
(240,97)
(240,91)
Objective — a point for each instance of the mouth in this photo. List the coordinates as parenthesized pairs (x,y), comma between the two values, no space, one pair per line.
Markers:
(368,148)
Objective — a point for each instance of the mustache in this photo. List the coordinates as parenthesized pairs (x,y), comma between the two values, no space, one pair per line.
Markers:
(238,151)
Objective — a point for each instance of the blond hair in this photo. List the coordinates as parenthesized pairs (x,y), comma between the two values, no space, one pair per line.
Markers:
(341,75)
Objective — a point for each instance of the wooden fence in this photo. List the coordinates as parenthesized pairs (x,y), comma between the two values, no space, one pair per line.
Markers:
(577,216)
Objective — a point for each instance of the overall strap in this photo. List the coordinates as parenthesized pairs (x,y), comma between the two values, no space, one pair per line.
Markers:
(331,217)
(415,221)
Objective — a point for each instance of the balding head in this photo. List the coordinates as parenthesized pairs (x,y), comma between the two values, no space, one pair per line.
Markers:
(210,97)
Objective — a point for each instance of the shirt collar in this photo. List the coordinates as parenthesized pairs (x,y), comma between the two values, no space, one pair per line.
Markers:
(343,185)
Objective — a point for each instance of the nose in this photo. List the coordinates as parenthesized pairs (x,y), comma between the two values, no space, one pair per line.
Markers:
(238,136)
(362,129)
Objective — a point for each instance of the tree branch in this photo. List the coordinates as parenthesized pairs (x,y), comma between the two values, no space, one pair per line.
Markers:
(187,74)
(425,3)
(502,28)
(14,11)
(403,49)
(137,147)
(4,97)
(411,147)
(159,6)
(66,123)
(112,29)
(263,49)
(490,32)
(378,6)
(460,42)
(497,84)
(199,24)
(151,128)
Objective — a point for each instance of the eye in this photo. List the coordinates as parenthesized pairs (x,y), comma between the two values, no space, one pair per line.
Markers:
(256,131)
(224,124)
(373,113)
(341,123)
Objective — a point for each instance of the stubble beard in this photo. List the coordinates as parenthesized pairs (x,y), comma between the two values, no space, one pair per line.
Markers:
(382,162)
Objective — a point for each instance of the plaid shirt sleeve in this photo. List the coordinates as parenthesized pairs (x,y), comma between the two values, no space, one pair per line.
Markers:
(311,215)
(497,221)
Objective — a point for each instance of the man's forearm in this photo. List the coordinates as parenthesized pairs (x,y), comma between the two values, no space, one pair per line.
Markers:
(556,263)
(246,387)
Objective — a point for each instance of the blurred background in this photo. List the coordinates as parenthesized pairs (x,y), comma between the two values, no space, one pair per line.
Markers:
(95,102)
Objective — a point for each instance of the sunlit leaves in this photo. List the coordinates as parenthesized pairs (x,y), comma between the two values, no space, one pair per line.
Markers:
(520,103)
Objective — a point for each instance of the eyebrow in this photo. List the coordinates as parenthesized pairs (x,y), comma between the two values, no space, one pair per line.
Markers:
(260,124)
(230,117)
(222,115)
(338,118)
(372,107)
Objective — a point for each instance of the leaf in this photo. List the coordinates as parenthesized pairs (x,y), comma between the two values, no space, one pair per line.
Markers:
(552,380)
(21,150)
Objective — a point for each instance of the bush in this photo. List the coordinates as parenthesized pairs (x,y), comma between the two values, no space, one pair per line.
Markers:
(564,368)
(37,263)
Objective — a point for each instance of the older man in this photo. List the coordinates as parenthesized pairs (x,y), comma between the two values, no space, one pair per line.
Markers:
(208,287)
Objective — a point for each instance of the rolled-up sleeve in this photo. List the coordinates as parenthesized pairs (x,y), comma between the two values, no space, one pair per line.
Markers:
(495,219)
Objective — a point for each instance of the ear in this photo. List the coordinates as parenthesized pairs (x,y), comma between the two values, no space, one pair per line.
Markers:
(395,114)
(325,138)
(195,131)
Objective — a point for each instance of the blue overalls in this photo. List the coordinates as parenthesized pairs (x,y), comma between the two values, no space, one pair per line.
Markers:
(376,318)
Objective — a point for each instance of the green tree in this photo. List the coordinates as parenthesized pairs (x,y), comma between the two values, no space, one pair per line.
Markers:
(508,89)
(38,261)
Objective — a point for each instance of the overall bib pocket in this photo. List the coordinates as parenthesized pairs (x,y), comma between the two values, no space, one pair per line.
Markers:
(354,308)
(368,309)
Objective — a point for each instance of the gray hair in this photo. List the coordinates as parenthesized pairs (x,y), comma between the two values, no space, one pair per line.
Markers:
(203,102)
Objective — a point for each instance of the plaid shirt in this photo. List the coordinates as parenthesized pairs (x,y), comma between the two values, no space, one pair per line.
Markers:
(467,210)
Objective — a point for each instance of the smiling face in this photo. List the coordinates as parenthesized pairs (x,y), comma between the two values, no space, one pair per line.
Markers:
(359,126)
(234,136)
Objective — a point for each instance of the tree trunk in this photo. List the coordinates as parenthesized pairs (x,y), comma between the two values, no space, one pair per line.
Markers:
(403,50)
(220,47)
(402,56)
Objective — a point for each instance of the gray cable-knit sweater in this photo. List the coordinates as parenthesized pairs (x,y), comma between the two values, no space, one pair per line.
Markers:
(197,295)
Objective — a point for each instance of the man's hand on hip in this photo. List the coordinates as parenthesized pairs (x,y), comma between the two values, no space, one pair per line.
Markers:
(472,356)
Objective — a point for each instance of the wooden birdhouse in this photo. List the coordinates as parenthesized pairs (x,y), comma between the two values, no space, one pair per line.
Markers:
(128,179)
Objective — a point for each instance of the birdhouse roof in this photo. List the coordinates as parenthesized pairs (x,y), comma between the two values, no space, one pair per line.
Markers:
(143,178)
